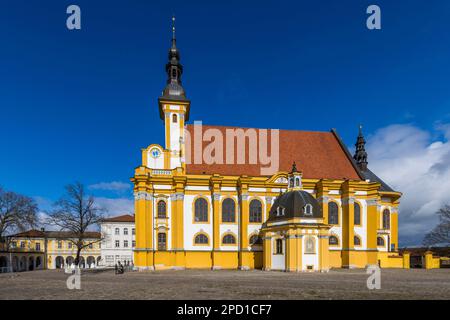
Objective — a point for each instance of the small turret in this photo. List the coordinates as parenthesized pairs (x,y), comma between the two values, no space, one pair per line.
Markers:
(360,155)
(294,179)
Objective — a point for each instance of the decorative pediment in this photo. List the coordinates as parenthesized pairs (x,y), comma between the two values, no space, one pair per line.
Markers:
(279,178)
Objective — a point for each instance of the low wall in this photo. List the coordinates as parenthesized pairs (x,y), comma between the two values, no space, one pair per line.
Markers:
(392,260)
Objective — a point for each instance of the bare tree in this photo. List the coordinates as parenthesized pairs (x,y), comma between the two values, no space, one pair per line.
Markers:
(441,233)
(76,212)
(17,213)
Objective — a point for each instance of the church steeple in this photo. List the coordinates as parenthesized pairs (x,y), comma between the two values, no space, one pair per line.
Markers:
(174,109)
(360,152)
(174,70)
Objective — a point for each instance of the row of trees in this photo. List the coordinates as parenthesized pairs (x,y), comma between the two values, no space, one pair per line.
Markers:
(75,212)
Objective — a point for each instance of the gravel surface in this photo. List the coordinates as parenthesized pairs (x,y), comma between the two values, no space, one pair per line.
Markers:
(228,284)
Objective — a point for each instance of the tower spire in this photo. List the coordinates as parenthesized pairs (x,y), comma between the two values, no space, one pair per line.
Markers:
(174,70)
(360,155)
(174,38)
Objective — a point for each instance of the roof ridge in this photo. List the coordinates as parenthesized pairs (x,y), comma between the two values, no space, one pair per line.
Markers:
(347,153)
(240,127)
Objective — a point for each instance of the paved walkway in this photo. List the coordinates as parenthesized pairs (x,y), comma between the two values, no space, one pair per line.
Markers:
(228,284)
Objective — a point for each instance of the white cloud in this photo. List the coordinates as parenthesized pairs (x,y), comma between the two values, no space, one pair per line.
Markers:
(116,206)
(414,162)
(110,186)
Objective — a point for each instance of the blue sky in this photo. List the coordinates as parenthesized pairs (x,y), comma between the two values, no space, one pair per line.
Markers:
(79,105)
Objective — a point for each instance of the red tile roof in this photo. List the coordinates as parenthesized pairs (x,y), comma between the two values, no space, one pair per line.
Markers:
(123,218)
(29,234)
(317,155)
(54,234)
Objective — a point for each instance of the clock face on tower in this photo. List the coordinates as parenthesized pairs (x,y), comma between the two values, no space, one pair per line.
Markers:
(155,153)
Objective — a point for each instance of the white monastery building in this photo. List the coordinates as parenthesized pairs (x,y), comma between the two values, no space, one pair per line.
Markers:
(118,234)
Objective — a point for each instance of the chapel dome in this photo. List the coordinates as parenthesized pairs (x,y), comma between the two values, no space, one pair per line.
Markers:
(295,204)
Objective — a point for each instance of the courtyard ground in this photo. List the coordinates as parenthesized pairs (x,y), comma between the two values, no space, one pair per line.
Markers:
(228,284)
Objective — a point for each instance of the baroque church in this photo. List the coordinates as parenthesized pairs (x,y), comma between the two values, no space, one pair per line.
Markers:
(322,209)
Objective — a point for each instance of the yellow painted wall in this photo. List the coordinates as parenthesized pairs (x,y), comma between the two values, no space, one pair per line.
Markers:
(204,260)
(198,260)
(335,259)
(432,262)
(227,260)
(390,260)
(256,260)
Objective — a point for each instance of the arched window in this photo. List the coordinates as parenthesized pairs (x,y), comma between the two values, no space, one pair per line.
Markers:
(279,246)
(310,245)
(255,239)
(356,241)
(308,209)
(333,213)
(255,211)
(380,241)
(201,239)
(357,214)
(229,239)
(174,118)
(228,210)
(291,182)
(162,209)
(333,241)
(201,210)
(162,241)
(386,219)
(297,182)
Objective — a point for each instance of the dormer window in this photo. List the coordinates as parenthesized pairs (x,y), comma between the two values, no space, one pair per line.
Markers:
(308,210)
(280,211)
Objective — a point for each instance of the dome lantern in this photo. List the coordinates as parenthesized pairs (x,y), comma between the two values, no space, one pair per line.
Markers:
(294,178)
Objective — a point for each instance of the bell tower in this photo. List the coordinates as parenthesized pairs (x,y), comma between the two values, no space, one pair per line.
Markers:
(174,108)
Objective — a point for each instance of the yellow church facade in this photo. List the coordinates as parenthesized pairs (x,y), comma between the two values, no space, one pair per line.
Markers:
(322,208)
